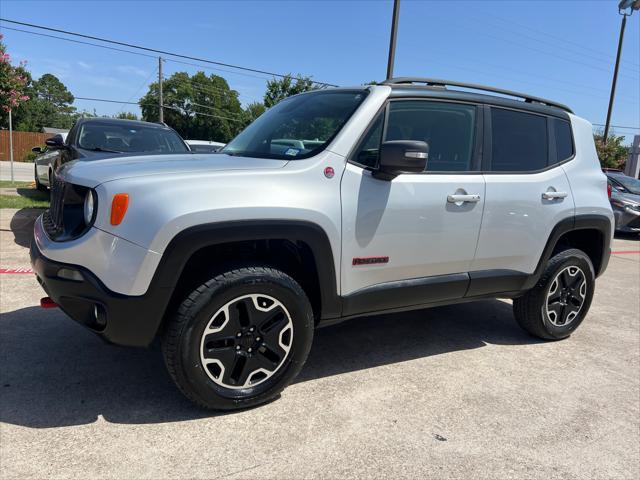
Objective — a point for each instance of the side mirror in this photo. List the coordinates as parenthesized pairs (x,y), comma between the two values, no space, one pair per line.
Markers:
(55,142)
(36,150)
(401,156)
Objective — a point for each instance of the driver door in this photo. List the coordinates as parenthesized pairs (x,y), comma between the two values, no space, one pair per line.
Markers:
(405,242)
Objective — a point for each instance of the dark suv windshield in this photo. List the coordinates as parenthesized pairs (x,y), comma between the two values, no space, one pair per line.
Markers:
(129,138)
(629,183)
(297,127)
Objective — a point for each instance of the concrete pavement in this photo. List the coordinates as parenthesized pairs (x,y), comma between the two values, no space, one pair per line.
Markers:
(451,392)
(22,171)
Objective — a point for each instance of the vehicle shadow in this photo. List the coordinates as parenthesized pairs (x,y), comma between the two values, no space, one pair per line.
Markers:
(55,373)
(21,225)
(627,236)
(32,193)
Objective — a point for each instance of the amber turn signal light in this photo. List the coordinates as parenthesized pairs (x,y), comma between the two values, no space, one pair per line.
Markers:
(119,207)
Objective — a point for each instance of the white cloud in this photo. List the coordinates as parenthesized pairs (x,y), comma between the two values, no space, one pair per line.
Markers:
(103,81)
(131,70)
(84,65)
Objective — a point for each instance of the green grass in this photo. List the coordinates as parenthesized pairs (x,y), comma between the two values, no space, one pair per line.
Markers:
(12,201)
(27,197)
(9,184)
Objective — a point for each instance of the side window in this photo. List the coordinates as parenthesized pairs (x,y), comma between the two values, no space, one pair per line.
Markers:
(564,140)
(519,141)
(448,128)
(367,154)
(71,136)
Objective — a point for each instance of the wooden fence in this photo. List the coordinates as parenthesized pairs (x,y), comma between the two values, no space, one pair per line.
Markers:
(23,142)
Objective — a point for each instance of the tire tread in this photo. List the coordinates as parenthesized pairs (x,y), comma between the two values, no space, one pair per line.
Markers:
(184,313)
(526,309)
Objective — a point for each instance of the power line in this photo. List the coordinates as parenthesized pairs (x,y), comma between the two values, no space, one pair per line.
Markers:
(608,56)
(616,126)
(210,107)
(201,113)
(105,100)
(148,49)
(92,99)
(131,52)
(78,41)
(485,33)
(220,69)
(153,72)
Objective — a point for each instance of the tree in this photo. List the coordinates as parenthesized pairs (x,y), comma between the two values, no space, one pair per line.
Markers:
(198,107)
(253,111)
(279,89)
(13,82)
(126,116)
(613,154)
(49,106)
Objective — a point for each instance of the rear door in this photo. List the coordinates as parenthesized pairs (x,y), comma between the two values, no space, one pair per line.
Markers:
(527,190)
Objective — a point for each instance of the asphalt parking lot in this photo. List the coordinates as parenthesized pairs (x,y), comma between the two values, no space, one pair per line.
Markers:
(451,392)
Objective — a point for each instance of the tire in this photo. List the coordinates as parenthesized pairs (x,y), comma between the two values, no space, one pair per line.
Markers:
(39,186)
(557,305)
(239,339)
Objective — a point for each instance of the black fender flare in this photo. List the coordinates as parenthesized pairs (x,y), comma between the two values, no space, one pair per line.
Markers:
(601,223)
(192,239)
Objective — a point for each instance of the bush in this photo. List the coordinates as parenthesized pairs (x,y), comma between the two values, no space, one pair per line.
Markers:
(30,157)
(613,154)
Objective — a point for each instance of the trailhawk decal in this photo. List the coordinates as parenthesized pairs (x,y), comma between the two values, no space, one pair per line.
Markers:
(369,260)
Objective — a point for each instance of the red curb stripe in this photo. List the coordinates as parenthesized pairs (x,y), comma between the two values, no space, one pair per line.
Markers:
(623,252)
(15,271)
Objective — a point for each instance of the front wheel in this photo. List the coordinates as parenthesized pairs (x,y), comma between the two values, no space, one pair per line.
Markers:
(39,186)
(556,306)
(239,339)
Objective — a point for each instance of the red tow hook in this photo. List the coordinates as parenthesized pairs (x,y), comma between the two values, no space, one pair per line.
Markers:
(47,302)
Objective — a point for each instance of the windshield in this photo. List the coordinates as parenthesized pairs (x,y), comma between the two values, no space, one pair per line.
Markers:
(630,183)
(198,148)
(297,127)
(120,138)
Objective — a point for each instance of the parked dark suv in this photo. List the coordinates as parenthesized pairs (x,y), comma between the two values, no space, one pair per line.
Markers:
(624,194)
(98,138)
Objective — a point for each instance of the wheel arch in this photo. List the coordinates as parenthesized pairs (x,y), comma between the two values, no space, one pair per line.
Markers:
(189,251)
(589,233)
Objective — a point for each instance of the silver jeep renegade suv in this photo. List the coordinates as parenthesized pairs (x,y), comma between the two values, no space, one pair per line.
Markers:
(333,204)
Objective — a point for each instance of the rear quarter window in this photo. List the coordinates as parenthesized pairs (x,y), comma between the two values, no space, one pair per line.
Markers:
(564,140)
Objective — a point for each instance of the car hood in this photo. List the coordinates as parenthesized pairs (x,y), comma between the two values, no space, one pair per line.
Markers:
(91,174)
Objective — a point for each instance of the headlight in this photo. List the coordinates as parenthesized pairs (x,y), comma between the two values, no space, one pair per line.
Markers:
(89,207)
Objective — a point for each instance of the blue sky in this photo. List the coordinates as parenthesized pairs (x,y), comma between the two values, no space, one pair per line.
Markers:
(563,50)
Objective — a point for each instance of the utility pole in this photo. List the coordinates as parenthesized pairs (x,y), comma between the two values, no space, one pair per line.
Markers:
(160,98)
(622,6)
(11,144)
(392,40)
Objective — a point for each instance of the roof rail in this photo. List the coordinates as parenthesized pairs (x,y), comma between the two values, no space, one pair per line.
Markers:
(433,82)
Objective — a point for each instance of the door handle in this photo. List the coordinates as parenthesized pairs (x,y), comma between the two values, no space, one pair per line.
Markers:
(459,198)
(551,195)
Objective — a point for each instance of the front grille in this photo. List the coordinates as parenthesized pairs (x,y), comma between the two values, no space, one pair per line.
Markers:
(53,219)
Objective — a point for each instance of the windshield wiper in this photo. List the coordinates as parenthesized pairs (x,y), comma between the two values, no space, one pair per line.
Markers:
(100,149)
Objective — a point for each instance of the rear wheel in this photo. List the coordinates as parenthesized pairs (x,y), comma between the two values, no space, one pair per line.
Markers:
(239,339)
(557,305)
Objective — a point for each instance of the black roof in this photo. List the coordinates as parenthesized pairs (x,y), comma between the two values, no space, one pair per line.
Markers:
(433,88)
(121,121)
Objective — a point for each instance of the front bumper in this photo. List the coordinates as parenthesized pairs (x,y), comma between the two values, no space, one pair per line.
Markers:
(627,219)
(120,319)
